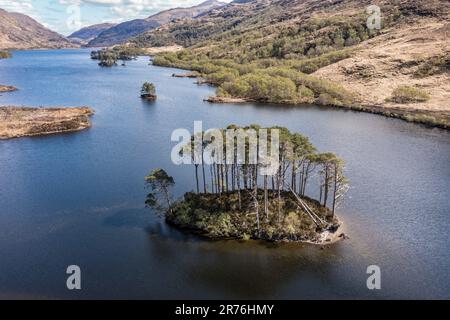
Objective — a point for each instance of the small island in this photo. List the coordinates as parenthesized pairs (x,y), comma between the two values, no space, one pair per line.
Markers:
(7,88)
(238,201)
(23,121)
(108,57)
(148,91)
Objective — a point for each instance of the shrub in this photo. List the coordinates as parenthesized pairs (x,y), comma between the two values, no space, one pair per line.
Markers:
(432,66)
(406,94)
(263,87)
(292,222)
(5,54)
(327,92)
(222,76)
(148,90)
(311,65)
(305,95)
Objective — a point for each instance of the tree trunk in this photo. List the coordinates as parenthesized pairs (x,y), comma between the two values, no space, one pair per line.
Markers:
(335,189)
(167,194)
(293,176)
(321,193)
(255,186)
(301,177)
(238,178)
(196,178)
(212,178)
(226,178)
(204,176)
(266,198)
(325,195)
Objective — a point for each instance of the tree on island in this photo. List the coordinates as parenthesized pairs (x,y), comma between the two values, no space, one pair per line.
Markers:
(148,91)
(160,184)
(240,190)
(108,57)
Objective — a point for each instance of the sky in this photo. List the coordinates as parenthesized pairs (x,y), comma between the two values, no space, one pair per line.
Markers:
(67,16)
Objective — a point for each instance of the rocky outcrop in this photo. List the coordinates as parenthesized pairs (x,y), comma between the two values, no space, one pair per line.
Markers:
(217,99)
(22,121)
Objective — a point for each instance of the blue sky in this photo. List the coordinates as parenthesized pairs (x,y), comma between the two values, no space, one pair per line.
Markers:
(66,16)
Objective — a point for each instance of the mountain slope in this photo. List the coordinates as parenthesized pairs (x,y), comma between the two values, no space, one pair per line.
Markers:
(89,33)
(322,52)
(123,31)
(18,31)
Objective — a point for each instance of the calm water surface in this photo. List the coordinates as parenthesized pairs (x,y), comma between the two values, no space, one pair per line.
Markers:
(78,198)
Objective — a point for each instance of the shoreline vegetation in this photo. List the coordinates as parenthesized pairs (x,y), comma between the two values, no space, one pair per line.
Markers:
(4,54)
(18,122)
(313,91)
(238,200)
(108,57)
(218,217)
(280,53)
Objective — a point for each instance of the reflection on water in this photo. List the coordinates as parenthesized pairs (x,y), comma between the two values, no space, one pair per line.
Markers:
(78,198)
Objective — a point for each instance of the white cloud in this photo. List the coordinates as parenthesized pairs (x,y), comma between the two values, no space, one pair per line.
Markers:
(142,8)
(23,6)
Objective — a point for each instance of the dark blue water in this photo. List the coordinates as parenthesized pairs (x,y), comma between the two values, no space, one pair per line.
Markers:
(78,198)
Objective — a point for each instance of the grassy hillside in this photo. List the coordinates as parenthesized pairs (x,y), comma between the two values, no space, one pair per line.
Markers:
(18,31)
(275,50)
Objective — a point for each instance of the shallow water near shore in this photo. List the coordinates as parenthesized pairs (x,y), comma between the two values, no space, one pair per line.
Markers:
(79,198)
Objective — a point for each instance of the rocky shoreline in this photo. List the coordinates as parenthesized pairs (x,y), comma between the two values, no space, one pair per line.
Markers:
(323,238)
(7,88)
(217,99)
(196,214)
(18,122)
(430,118)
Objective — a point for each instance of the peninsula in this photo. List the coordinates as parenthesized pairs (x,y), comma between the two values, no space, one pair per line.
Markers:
(7,88)
(23,121)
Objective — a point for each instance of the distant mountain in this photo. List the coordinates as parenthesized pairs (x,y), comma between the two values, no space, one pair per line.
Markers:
(18,31)
(123,31)
(84,35)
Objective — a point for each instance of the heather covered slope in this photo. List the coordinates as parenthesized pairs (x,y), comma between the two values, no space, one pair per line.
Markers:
(322,52)
(416,55)
(18,31)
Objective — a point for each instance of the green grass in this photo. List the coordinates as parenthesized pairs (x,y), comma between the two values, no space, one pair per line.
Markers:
(432,66)
(407,94)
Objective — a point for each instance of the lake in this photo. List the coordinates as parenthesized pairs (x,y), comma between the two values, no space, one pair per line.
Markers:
(79,198)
